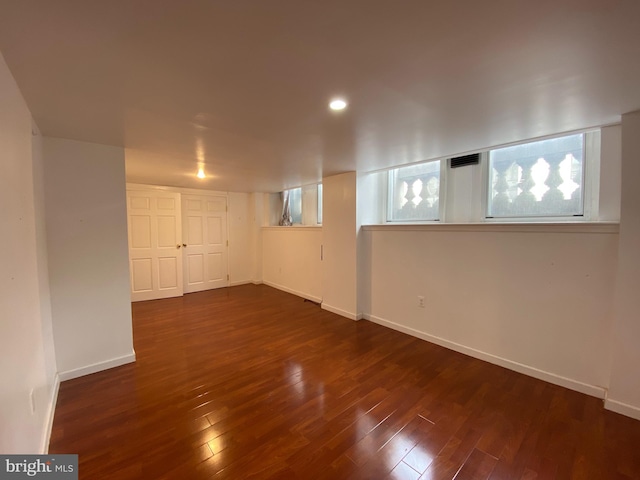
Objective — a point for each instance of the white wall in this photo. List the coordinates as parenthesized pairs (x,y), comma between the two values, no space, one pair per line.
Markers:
(240,219)
(272,209)
(369,210)
(537,299)
(339,239)
(291,260)
(26,343)
(257,202)
(610,175)
(88,258)
(624,394)
(310,205)
(51,393)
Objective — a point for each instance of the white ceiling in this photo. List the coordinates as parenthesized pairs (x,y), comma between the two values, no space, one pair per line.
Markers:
(244,85)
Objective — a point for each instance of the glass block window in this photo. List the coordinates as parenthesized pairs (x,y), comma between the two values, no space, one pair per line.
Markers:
(414,193)
(543,178)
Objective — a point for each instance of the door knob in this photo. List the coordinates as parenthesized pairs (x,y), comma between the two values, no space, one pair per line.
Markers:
(184,245)
(178,246)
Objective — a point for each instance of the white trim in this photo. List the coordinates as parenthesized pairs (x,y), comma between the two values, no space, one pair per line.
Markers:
(239,282)
(342,313)
(256,282)
(46,437)
(293,292)
(593,390)
(97,367)
(293,227)
(546,227)
(622,408)
(167,188)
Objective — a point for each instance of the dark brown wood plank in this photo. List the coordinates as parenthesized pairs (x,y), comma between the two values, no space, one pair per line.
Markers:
(251,382)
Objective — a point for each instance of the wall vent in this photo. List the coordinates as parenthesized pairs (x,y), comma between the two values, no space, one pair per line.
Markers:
(465,160)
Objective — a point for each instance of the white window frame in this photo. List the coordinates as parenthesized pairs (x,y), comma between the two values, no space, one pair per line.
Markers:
(590,183)
(442,194)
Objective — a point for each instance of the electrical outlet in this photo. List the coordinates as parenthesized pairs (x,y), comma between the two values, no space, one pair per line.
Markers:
(33,402)
(420,301)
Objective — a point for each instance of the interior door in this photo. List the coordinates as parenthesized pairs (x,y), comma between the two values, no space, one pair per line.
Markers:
(155,246)
(204,231)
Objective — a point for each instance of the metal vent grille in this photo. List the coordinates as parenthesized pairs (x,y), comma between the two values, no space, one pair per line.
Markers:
(465,160)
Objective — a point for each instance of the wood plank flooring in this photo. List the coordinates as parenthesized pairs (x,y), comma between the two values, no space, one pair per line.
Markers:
(250,382)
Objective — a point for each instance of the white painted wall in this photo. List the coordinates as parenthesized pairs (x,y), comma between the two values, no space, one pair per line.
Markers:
(370,210)
(272,209)
(257,202)
(610,175)
(88,259)
(240,219)
(624,393)
(339,239)
(310,205)
(537,299)
(26,343)
(42,254)
(291,260)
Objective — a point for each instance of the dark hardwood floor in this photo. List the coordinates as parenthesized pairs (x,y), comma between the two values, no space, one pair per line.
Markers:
(250,382)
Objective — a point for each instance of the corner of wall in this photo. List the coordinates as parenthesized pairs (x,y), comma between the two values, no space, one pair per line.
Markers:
(51,410)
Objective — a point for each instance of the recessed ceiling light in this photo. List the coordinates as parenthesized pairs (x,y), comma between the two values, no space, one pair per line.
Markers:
(338,104)
(201,173)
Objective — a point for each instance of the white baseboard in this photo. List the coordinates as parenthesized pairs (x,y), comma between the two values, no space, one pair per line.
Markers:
(51,411)
(593,390)
(342,313)
(622,408)
(97,367)
(293,292)
(239,282)
(256,282)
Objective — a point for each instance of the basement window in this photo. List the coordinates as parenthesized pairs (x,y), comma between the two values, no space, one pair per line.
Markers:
(319,204)
(295,205)
(414,193)
(537,179)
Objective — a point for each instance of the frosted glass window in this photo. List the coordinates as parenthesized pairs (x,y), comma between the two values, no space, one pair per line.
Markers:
(319,203)
(414,193)
(295,205)
(543,178)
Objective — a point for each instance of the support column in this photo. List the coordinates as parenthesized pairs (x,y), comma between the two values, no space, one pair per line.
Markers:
(624,387)
(339,229)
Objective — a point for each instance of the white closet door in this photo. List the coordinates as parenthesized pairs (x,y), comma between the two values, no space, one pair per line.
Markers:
(204,230)
(155,246)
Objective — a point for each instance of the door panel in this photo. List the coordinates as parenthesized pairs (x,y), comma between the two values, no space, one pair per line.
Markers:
(205,234)
(216,269)
(195,269)
(214,231)
(194,234)
(140,231)
(141,275)
(168,273)
(155,253)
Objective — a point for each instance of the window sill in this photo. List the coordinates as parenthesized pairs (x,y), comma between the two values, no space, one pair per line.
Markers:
(292,227)
(547,227)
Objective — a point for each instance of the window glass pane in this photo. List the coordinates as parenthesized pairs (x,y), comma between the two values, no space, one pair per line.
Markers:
(319,203)
(414,192)
(542,178)
(295,204)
